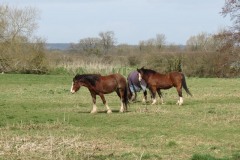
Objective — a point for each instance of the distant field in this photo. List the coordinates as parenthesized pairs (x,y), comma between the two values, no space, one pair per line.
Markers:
(40,119)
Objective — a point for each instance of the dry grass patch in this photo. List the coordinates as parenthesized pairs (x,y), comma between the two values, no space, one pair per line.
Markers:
(50,145)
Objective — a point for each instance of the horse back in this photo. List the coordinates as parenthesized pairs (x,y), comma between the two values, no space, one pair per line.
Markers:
(120,79)
(113,81)
(166,81)
(176,78)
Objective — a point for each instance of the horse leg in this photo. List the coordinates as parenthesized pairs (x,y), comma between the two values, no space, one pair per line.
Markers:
(144,96)
(94,109)
(105,103)
(160,95)
(179,90)
(153,91)
(134,96)
(120,93)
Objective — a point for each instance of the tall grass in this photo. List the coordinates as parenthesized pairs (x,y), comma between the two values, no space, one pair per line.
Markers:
(91,67)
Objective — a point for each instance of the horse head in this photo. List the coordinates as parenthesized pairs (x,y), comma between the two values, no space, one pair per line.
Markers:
(76,84)
(140,73)
(86,80)
(145,73)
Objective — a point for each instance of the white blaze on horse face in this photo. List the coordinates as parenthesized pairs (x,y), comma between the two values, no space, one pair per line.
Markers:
(139,77)
(72,91)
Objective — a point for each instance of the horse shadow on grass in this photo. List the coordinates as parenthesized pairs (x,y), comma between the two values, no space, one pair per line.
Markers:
(166,103)
(101,112)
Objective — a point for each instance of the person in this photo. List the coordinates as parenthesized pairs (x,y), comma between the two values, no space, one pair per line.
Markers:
(134,86)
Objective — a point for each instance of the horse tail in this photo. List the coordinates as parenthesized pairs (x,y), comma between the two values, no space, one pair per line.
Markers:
(125,96)
(129,92)
(184,84)
(122,83)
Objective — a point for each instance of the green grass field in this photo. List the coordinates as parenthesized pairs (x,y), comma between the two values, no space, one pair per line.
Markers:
(41,119)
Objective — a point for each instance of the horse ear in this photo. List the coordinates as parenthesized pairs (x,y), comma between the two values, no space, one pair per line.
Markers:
(138,69)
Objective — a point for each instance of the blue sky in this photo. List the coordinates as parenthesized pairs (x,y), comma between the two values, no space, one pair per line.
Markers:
(68,21)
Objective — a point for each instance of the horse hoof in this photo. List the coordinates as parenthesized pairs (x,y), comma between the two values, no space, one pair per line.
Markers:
(131,101)
(154,102)
(109,111)
(92,112)
(178,103)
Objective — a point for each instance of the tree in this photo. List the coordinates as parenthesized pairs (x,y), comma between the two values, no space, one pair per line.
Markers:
(199,42)
(16,22)
(232,8)
(160,41)
(108,40)
(231,38)
(147,45)
(20,50)
(90,45)
(153,43)
(95,45)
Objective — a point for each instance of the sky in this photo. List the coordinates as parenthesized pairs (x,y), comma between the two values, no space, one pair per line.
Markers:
(132,21)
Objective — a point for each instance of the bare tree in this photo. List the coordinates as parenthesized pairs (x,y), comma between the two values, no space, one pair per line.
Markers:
(147,45)
(153,43)
(199,42)
(160,41)
(17,22)
(20,50)
(90,45)
(232,8)
(108,39)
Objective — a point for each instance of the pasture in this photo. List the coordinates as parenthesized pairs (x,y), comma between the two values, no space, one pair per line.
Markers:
(41,119)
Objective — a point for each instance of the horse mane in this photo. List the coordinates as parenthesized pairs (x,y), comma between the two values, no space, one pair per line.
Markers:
(146,71)
(91,78)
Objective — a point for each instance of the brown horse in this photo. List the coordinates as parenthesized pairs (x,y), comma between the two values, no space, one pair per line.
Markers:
(100,85)
(156,81)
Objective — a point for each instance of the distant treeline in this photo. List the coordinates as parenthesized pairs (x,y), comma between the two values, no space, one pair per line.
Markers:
(203,55)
